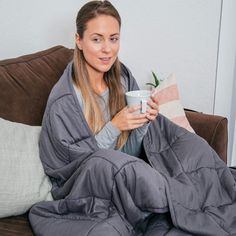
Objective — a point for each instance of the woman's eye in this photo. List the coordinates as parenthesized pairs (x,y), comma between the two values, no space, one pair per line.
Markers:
(96,40)
(114,39)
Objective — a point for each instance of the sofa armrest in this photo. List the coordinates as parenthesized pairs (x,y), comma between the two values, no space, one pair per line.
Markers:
(213,128)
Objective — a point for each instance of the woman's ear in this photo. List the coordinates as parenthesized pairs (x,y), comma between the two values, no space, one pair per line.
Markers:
(78,41)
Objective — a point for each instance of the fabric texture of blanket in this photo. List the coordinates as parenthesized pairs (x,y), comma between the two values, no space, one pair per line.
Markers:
(184,189)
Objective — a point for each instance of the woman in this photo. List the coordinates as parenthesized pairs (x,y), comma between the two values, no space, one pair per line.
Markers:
(88,131)
(97,75)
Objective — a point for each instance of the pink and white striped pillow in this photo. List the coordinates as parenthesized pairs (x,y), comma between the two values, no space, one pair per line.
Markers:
(169,101)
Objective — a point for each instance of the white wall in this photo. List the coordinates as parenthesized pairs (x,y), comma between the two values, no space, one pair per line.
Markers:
(232,138)
(28,26)
(161,35)
(233,159)
(174,36)
(225,99)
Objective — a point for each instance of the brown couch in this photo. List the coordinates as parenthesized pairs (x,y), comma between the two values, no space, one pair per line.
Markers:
(25,84)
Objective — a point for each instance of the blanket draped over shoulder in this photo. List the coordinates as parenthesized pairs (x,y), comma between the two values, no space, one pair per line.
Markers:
(184,189)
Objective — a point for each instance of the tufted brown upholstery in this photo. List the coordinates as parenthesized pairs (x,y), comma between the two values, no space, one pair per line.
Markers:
(25,84)
(213,129)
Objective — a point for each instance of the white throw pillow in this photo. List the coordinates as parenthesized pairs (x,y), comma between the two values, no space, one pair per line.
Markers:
(169,102)
(22,178)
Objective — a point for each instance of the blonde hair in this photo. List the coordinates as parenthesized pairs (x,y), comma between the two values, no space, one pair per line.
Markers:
(92,112)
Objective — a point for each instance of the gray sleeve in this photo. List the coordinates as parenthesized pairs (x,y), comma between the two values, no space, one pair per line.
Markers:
(134,142)
(107,136)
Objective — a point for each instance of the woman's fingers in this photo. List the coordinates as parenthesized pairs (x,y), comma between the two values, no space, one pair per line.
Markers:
(153,103)
(136,120)
(127,119)
(154,108)
(134,108)
(155,99)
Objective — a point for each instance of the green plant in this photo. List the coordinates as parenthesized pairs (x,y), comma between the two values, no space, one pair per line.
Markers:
(156,81)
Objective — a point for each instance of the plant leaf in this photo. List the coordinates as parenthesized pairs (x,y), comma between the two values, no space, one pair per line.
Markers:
(157,82)
(151,84)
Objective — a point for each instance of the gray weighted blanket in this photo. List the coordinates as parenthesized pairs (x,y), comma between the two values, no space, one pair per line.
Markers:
(184,189)
(112,193)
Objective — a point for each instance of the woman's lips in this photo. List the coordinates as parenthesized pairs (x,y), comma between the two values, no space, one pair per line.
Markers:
(105,60)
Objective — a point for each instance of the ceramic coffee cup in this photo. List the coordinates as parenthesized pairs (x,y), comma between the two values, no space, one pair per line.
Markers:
(138,97)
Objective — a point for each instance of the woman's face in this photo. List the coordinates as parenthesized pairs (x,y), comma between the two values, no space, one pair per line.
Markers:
(100,43)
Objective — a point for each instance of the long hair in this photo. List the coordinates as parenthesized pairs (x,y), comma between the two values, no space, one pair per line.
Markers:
(92,112)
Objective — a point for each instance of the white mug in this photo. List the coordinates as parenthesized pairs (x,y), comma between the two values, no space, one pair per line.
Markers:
(138,97)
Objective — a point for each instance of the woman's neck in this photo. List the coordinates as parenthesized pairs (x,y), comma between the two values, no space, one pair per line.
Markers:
(98,86)
(97,81)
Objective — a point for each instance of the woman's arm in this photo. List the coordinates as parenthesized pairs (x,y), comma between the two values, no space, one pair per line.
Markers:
(134,142)
(107,136)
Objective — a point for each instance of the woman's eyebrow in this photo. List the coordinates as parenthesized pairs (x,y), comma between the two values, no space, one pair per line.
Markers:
(101,35)
(116,34)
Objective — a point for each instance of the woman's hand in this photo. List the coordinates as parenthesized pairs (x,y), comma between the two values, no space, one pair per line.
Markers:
(126,119)
(153,111)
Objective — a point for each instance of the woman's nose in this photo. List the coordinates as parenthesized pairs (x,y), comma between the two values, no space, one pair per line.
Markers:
(106,46)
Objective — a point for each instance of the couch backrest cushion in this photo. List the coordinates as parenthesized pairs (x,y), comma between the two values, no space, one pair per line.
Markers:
(25,83)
